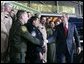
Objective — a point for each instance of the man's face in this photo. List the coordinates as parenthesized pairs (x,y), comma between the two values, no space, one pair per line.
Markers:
(36,22)
(65,18)
(25,17)
(43,21)
(52,24)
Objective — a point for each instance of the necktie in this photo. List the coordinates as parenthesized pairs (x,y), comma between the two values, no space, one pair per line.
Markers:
(65,30)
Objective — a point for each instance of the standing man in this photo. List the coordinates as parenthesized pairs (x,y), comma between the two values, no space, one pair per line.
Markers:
(19,37)
(51,46)
(6,22)
(37,56)
(64,40)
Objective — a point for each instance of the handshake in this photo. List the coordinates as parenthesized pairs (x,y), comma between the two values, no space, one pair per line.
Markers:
(44,47)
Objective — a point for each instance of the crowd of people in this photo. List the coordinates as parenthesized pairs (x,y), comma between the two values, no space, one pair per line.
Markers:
(27,38)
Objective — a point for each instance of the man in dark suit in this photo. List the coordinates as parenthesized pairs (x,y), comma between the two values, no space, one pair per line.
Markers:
(65,34)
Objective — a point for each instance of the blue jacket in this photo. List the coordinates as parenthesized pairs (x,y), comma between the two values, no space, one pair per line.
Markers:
(63,42)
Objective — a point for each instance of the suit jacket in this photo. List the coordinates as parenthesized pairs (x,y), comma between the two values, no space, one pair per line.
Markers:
(37,34)
(33,49)
(63,42)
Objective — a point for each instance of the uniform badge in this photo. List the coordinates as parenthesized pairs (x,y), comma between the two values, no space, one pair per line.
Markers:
(33,33)
(24,29)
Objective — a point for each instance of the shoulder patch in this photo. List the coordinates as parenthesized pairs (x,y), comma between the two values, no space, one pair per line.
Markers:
(23,28)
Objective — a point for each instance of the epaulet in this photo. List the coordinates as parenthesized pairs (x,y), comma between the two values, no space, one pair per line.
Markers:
(24,28)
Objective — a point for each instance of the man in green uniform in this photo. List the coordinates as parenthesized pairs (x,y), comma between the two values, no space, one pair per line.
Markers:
(18,38)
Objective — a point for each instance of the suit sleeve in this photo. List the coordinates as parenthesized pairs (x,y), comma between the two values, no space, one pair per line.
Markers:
(30,38)
(77,40)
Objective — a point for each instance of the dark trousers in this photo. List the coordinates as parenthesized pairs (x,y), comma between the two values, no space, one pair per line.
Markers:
(64,57)
(33,57)
(17,57)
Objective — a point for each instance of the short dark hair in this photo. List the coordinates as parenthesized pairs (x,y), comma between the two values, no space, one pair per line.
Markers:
(32,19)
(42,17)
(19,13)
(28,12)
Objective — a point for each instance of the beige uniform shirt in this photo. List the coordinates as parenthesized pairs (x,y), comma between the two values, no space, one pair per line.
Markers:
(44,34)
(6,22)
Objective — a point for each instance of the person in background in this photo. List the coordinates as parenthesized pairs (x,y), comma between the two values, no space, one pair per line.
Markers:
(59,20)
(51,28)
(13,15)
(47,22)
(6,23)
(51,53)
(42,29)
